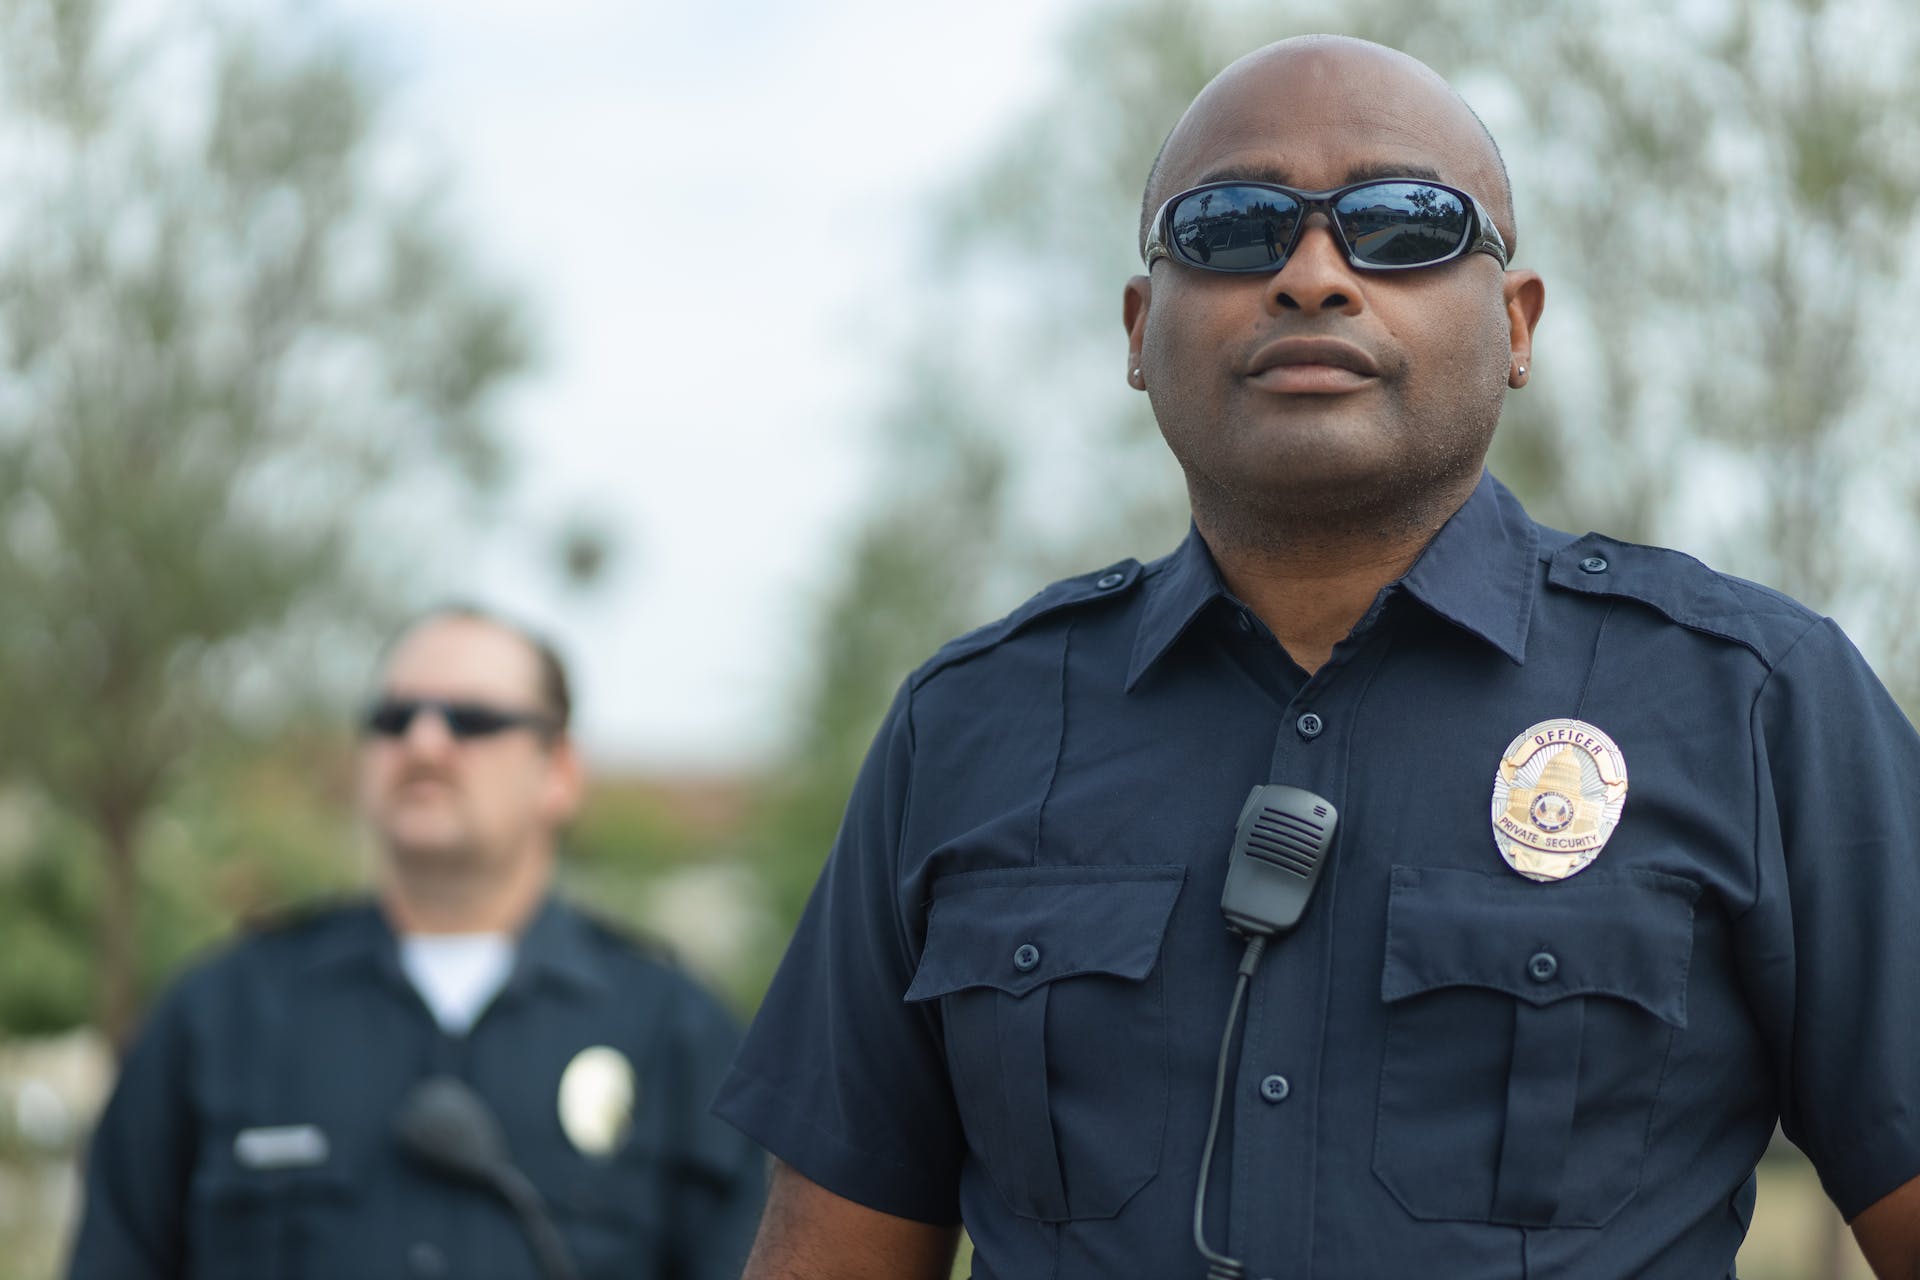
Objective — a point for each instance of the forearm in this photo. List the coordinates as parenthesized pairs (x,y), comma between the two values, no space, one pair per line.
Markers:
(1889,1234)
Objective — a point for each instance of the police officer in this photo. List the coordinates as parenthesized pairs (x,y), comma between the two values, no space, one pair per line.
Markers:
(1608,861)
(271,1119)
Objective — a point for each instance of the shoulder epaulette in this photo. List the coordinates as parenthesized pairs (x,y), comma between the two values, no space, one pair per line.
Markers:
(1687,592)
(1114,581)
(624,935)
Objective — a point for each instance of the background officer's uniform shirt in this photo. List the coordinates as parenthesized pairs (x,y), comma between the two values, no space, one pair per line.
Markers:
(312,1025)
(1006,997)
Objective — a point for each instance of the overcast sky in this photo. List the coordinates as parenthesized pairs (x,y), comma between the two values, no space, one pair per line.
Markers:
(713,209)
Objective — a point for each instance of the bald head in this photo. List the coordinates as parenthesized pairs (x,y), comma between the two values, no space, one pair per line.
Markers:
(1347,77)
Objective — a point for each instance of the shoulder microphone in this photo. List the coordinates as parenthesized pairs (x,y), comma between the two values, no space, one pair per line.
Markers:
(1280,847)
(448,1127)
(1278,850)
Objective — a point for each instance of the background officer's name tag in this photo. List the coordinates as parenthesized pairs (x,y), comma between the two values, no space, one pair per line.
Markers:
(287,1146)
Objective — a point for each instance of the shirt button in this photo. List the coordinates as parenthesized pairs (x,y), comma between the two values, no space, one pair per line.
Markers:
(1309,725)
(426,1260)
(1542,966)
(1593,564)
(1242,621)
(1275,1088)
(1108,581)
(1026,957)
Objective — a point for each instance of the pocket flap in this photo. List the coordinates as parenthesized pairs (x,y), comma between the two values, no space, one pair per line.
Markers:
(1628,935)
(228,1181)
(1013,930)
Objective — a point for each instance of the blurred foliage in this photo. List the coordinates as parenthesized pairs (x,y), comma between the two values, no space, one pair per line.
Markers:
(234,318)
(669,859)
(251,830)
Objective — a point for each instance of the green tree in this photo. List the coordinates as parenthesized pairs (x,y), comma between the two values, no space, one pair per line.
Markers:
(238,334)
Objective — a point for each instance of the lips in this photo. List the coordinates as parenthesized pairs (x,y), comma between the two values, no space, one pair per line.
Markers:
(1311,366)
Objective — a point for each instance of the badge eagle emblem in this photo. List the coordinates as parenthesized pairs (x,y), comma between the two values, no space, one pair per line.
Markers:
(1557,797)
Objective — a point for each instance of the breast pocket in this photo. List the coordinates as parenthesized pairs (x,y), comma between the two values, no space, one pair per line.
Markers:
(249,1223)
(1055,1019)
(607,1212)
(1527,1032)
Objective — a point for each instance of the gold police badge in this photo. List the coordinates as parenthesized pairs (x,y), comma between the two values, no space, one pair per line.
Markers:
(1557,797)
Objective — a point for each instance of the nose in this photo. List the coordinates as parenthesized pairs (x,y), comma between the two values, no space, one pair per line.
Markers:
(427,733)
(1316,277)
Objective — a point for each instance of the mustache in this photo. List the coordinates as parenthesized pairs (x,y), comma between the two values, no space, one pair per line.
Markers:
(422,773)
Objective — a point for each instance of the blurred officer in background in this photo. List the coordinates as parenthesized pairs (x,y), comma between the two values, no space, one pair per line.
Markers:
(464,1077)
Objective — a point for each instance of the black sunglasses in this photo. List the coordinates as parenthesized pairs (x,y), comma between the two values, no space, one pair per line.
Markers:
(1388,224)
(392,717)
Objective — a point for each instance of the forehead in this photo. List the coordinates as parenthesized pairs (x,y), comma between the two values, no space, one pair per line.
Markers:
(463,658)
(1319,117)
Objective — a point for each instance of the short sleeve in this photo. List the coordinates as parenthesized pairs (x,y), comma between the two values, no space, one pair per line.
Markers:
(840,1077)
(1834,961)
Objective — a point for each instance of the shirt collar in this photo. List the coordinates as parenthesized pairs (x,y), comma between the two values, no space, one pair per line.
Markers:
(1477,573)
(1177,588)
(554,942)
(557,942)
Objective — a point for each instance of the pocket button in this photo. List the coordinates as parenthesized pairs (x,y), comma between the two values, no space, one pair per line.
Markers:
(426,1261)
(1542,966)
(1026,957)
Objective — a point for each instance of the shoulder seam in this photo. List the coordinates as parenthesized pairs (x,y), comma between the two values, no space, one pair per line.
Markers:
(1116,581)
(1707,601)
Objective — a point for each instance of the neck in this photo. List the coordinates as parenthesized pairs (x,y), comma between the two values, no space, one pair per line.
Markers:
(1312,580)
(441,899)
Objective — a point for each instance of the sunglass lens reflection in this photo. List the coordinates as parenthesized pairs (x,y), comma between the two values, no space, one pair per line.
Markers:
(1402,224)
(1234,228)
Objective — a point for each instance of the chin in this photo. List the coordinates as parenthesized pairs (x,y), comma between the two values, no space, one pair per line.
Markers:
(425,844)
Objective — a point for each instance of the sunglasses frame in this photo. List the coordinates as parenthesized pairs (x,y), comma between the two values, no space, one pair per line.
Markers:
(455,714)
(1482,236)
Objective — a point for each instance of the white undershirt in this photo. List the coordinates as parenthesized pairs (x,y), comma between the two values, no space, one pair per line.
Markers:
(457,973)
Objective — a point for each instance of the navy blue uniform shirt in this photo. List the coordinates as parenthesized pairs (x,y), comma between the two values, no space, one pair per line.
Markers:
(312,1028)
(1005,1000)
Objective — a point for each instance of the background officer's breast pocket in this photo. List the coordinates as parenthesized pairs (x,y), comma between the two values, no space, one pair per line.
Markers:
(1528,1027)
(1050,989)
(248,1221)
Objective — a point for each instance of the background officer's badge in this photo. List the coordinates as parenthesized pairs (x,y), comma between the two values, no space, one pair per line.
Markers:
(1557,797)
(596,1100)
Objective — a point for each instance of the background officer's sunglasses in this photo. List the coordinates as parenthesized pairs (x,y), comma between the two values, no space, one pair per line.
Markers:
(392,717)
(1392,224)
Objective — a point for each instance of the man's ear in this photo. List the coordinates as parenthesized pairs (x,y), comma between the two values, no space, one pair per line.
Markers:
(566,782)
(1134,301)
(1525,295)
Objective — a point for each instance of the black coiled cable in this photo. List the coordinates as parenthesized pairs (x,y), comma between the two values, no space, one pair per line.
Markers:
(1219,1266)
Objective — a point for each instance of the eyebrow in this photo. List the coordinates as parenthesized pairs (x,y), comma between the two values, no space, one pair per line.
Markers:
(1366,172)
